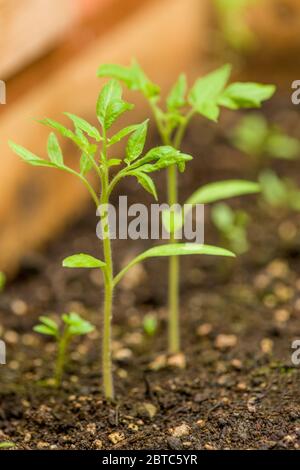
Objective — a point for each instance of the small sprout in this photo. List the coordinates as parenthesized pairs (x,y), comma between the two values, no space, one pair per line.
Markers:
(2,281)
(74,325)
(150,324)
(6,445)
(263,141)
(279,193)
(232,226)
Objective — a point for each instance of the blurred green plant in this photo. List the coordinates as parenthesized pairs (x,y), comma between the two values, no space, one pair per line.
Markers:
(150,324)
(2,281)
(232,19)
(206,98)
(257,138)
(232,226)
(74,325)
(279,193)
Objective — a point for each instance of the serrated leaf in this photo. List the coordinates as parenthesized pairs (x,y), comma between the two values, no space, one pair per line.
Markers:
(122,133)
(86,163)
(176,249)
(205,93)
(110,104)
(44,330)
(54,150)
(159,158)
(85,126)
(245,95)
(133,76)
(58,127)
(30,157)
(82,260)
(136,142)
(214,192)
(146,182)
(176,98)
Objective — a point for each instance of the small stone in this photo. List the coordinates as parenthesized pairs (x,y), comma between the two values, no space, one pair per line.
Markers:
(225,341)
(91,428)
(27,437)
(116,437)
(123,355)
(147,410)
(237,364)
(266,346)
(11,337)
(204,330)
(98,444)
(201,423)
(133,427)
(180,431)
(177,360)
(241,386)
(282,315)
(209,447)
(42,445)
(159,362)
(19,307)
(174,443)
(251,405)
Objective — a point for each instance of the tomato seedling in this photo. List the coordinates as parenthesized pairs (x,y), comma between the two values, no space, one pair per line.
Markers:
(206,98)
(74,326)
(95,156)
(279,193)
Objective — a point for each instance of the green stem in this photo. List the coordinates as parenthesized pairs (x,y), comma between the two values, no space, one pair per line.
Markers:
(61,359)
(108,284)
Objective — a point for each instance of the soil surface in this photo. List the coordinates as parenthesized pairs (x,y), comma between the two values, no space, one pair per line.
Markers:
(238,388)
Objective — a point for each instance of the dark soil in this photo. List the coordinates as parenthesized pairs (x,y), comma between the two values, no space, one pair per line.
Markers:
(243,396)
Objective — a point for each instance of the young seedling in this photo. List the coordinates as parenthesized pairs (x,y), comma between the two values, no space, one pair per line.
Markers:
(232,226)
(138,164)
(6,445)
(206,98)
(74,326)
(2,281)
(150,324)
(262,141)
(279,193)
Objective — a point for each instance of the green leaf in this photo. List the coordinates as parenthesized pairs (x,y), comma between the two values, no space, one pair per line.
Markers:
(49,323)
(82,261)
(206,92)
(77,325)
(146,182)
(54,150)
(86,163)
(222,216)
(274,190)
(213,192)
(44,330)
(176,249)
(59,128)
(176,98)
(133,76)
(85,126)
(30,157)
(123,133)
(114,162)
(245,95)
(282,146)
(110,104)
(150,324)
(161,157)
(2,281)
(250,134)
(136,142)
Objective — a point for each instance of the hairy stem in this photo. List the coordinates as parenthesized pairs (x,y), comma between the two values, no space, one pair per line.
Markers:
(108,284)
(61,359)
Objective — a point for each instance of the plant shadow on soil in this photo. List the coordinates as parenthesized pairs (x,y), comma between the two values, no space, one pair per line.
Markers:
(239,396)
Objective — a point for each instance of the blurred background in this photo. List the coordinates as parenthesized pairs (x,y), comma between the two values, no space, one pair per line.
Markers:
(50,51)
